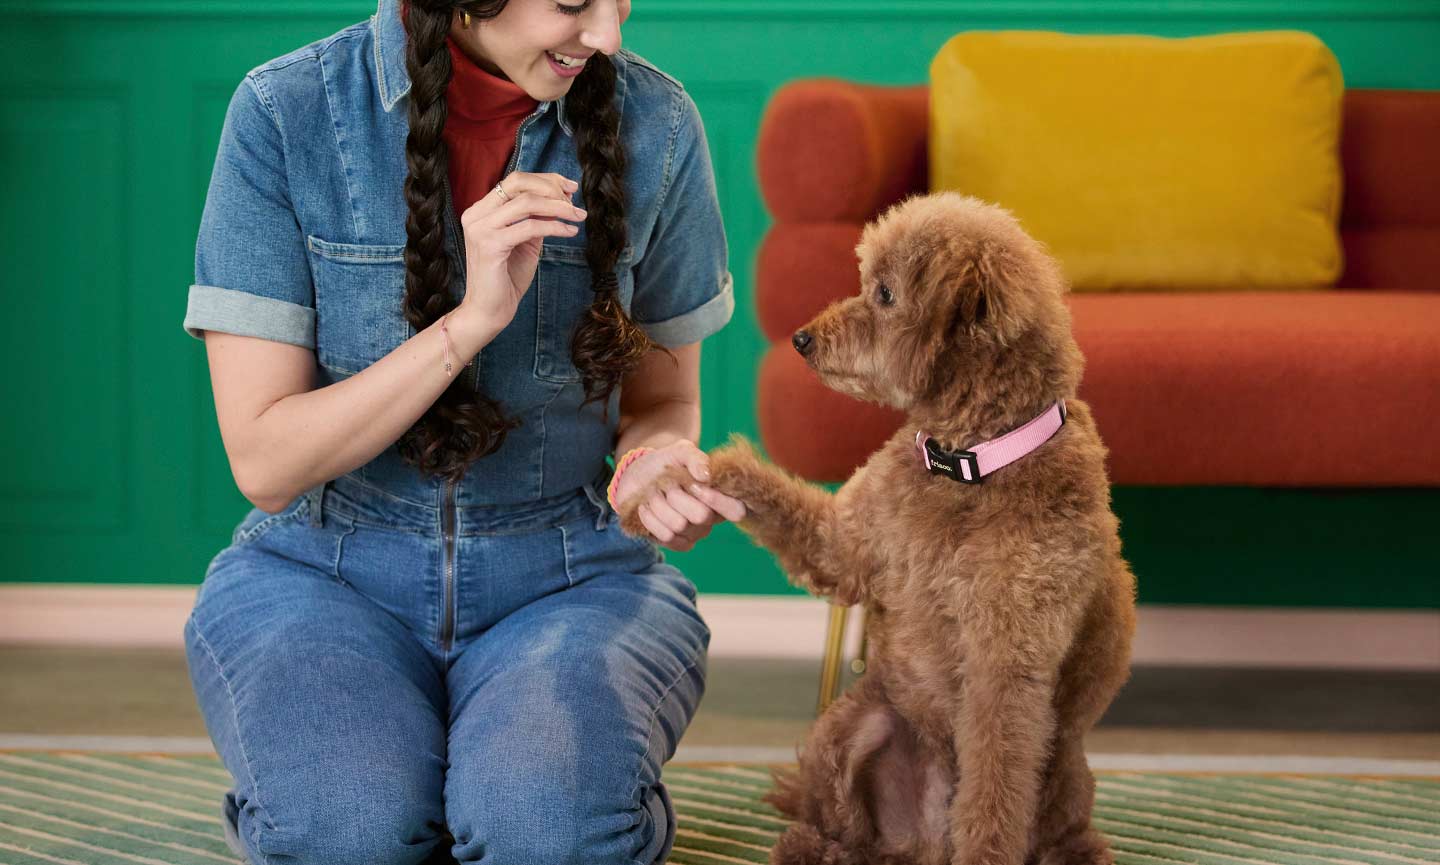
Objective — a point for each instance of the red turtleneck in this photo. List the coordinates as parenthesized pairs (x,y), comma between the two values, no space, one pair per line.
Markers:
(483,114)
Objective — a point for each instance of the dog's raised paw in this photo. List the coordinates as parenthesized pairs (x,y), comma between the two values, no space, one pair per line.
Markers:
(738,471)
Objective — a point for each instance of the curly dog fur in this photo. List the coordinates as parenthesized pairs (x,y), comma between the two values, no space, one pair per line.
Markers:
(1000,614)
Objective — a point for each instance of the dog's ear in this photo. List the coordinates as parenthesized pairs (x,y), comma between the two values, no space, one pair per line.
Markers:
(982,291)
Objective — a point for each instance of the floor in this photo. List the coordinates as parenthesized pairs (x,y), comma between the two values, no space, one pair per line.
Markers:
(757,704)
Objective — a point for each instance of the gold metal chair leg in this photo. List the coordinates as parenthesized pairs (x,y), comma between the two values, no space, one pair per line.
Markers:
(859,662)
(834,656)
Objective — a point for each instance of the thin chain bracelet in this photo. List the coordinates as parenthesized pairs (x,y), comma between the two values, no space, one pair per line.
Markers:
(449,351)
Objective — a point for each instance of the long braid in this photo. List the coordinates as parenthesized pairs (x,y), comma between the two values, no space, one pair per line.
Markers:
(607,344)
(462,425)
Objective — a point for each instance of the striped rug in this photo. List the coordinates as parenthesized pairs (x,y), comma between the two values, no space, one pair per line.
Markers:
(112,809)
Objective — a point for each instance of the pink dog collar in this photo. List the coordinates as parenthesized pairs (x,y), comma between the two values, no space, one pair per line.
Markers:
(971,466)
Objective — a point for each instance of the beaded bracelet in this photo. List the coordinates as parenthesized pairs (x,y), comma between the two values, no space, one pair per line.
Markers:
(620,466)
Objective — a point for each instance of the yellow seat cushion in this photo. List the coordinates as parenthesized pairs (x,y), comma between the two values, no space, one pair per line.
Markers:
(1151,163)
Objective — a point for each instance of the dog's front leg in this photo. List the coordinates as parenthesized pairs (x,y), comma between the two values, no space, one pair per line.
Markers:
(1005,727)
(796,520)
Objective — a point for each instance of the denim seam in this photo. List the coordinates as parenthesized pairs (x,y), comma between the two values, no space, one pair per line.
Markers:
(677,113)
(389,95)
(383,492)
(340,147)
(635,60)
(260,528)
(263,95)
(525,529)
(340,550)
(310,52)
(565,553)
(650,735)
(361,521)
(262,92)
(543,348)
(276,66)
(235,715)
(312,243)
(543,434)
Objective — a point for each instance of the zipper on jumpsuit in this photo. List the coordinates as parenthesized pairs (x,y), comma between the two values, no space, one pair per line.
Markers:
(449,515)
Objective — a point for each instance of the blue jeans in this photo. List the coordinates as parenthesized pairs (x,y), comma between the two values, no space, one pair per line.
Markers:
(371,701)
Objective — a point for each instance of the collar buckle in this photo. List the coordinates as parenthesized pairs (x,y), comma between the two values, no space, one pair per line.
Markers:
(962,466)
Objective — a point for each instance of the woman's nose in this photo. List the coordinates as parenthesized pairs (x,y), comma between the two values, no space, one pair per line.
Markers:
(602,28)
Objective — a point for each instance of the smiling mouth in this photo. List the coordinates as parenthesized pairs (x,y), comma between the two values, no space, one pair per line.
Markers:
(566,60)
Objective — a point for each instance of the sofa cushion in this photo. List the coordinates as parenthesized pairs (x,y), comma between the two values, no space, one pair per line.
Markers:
(1336,388)
(1391,219)
(1151,163)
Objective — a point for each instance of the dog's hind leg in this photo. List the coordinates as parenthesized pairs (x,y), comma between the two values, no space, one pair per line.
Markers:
(1064,835)
(867,790)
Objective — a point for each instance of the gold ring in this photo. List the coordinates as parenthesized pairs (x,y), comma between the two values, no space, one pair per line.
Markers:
(501,189)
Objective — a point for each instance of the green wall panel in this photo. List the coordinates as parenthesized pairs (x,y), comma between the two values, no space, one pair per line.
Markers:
(109,118)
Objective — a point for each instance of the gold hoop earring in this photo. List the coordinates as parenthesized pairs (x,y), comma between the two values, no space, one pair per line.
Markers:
(465,20)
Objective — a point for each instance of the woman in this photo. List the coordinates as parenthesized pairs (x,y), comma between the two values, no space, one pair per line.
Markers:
(429,638)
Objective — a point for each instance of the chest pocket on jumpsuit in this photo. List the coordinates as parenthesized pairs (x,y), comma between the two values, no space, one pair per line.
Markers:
(563,294)
(359,296)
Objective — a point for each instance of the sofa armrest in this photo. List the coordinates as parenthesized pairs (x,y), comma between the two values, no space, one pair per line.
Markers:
(837,151)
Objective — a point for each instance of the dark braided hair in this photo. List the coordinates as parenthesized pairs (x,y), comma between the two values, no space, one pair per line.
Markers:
(463,425)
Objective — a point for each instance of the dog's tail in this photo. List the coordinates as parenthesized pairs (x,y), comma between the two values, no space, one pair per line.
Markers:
(788,794)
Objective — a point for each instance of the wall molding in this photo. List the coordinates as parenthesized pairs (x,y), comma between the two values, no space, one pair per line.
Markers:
(769,626)
(655,10)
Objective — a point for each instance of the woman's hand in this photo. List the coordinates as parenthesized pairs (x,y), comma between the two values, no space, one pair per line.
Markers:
(503,235)
(676,516)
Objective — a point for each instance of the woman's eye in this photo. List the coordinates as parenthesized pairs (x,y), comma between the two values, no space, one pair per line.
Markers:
(886,297)
(576,9)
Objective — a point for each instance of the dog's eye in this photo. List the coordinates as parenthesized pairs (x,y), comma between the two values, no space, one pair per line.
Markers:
(886,297)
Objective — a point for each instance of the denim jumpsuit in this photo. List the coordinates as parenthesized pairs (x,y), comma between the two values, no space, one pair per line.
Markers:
(393,658)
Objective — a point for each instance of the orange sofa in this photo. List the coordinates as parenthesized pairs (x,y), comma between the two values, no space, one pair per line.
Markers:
(1331,388)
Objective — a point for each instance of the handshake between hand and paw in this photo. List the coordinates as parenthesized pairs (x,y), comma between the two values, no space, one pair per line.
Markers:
(674,495)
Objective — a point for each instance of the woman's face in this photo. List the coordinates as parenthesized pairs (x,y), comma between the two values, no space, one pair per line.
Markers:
(541,45)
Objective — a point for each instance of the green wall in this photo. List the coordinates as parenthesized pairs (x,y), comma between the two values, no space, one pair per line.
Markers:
(109,118)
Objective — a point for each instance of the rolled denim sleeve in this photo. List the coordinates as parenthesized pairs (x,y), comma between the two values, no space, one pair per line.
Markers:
(251,273)
(683,288)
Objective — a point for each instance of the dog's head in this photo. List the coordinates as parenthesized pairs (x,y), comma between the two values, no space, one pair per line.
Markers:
(956,304)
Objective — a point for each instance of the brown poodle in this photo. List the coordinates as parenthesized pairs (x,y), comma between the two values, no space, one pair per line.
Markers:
(1000,612)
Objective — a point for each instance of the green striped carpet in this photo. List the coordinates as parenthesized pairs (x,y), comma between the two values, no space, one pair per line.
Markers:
(99,809)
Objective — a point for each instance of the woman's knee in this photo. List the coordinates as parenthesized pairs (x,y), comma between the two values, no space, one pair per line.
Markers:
(394,826)
(564,830)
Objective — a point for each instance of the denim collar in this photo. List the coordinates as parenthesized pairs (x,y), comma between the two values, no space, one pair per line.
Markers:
(391,78)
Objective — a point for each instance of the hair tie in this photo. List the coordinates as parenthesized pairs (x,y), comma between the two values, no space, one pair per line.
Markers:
(605,282)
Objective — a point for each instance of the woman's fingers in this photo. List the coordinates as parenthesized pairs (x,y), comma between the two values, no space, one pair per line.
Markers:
(689,507)
(698,462)
(486,234)
(731,509)
(509,238)
(529,206)
(519,183)
(659,530)
(668,516)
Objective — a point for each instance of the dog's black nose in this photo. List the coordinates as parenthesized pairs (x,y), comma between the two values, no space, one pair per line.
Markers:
(802,342)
